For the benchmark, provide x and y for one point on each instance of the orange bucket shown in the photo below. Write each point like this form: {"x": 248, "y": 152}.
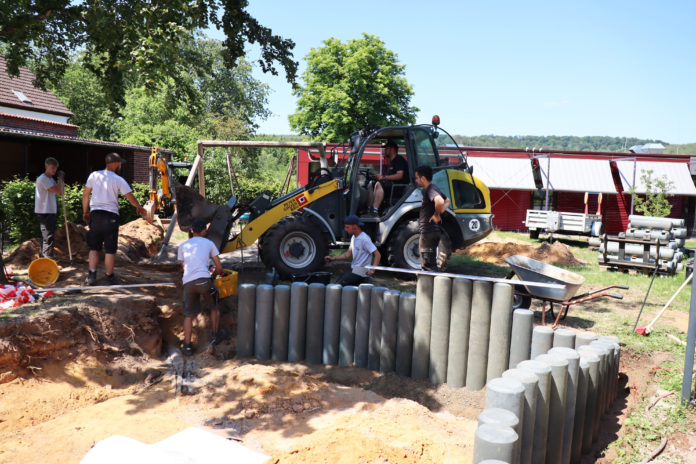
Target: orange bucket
{"x": 43, "y": 272}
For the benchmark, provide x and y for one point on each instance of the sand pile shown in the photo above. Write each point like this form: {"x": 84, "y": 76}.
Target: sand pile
{"x": 496, "y": 252}
{"x": 137, "y": 239}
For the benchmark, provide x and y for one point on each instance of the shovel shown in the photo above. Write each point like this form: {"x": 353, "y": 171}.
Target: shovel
{"x": 65, "y": 220}
{"x": 646, "y": 329}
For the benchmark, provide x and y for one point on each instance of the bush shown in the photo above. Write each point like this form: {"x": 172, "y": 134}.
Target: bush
{"x": 17, "y": 201}
{"x": 17, "y": 207}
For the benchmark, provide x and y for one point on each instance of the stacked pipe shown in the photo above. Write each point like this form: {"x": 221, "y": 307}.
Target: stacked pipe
{"x": 557, "y": 395}
{"x": 453, "y": 331}
{"x": 670, "y": 230}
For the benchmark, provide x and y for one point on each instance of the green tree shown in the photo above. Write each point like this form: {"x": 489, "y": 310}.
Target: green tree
{"x": 131, "y": 41}
{"x": 348, "y": 86}
{"x": 656, "y": 201}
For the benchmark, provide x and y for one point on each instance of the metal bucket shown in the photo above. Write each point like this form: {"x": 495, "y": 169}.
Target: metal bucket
{"x": 536, "y": 271}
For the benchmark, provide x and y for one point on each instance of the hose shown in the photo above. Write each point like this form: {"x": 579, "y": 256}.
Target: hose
{"x": 663, "y": 441}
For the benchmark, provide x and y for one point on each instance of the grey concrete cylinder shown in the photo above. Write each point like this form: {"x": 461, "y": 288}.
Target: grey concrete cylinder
{"x": 521, "y": 337}
{"x": 564, "y": 338}
{"x": 617, "y": 360}
{"x": 390, "y": 314}
{"x": 494, "y": 442}
{"x": 584, "y": 338}
{"x": 604, "y": 354}
{"x": 346, "y": 346}
{"x": 298, "y": 321}
{"x": 420, "y": 362}
{"x": 592, "y": 409}
{"x": 362, "y": 325}
{"x": 440, "y": 329}
{"x": 573, "y": 359}
{"x": 263, "y": 325}
{"x": 375, "y": 333}
{"x": 557, "y": 406}
{"x": 460, "y": 319}
{"x": 246, "y": 320}
{"x": 580, "y": 410}
{"x": 542, "y": 340}
{"x": 541, "y": 420}
{"x": 530, "y": 381}
{"x": 500, "y": 331}
{"x": 498, "y": 416}
{"x": 477, "y": 361}
{"x": 608, "y": 372}
{"x": 404, "y": 335}
{"x": 315, "y": 323}
{"x": 507, "y": 393}
{"x": 332, "y": 324}
{"x": 281, "y": 320}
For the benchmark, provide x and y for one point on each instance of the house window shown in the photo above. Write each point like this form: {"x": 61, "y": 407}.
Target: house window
{"x": 23, "y": 98}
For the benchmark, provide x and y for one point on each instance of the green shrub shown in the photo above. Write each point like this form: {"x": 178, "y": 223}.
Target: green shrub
{"x": 17, "y": 201}
{"x": 126, "y": 211}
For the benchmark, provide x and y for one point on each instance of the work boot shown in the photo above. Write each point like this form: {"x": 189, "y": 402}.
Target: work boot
{"x": 187, "y": 349}
{"x": 110, "y": 279}
{"x": 91, "y": 278}
{"x": 220, "y": 336}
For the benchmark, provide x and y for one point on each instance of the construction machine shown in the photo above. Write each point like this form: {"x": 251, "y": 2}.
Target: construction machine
{"x": 161, "y": 199}
{"x": 296, "y": 230}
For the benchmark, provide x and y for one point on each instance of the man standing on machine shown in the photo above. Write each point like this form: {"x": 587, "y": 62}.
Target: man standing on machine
{"x": 434, "y": 204}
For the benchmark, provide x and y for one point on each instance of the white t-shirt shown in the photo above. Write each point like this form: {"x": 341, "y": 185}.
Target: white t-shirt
{"x": 196, "y": 254}
{"x": 106, "y": 185}
{"x": 44, "y": 201}
{"x": 362, "y": 248}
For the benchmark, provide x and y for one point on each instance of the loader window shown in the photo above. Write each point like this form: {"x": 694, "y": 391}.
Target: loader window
{"x": 466, "y": 195}
{"x": 425, "y": 150}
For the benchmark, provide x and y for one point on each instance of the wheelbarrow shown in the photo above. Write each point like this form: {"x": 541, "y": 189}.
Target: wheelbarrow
{"x": 536, "y": 271}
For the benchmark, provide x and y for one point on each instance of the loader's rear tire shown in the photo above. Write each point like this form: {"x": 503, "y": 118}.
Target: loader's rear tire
{"x": 403, "y": 248}
{"x": 295, "y": 245}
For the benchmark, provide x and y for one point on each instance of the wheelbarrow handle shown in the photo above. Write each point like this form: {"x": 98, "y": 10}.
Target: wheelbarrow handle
{"x": 615, "y": 295}
{"x": 622, "y": 287}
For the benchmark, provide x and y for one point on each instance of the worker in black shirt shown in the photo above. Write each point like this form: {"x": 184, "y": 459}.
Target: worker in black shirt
{"x": 434, "y": 204}
{"x": 397, "y": 173}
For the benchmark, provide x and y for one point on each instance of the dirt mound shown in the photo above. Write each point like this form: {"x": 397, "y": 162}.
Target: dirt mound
{"x": 137, "y": 239}
{"x": 116, "y": 324}
{"x": 496, "y": 252}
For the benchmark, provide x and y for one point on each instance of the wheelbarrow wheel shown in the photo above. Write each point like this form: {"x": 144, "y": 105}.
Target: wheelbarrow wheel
{"x": 521, "y": 301}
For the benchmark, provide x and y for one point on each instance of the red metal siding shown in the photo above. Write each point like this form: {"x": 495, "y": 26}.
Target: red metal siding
{"x": 510, "y": 208}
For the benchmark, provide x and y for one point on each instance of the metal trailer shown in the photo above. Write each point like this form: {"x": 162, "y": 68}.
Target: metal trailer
{"x": 559, "y": 221}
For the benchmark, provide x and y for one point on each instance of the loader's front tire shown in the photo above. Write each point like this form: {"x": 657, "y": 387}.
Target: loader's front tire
{"x": 403, "y": 248}
{"x": 295, "y": 245}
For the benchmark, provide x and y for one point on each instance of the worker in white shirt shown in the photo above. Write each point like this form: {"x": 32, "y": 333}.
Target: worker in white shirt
{"x": 101, "y": 213}
{"x": 45, "y": 207}
{"x": 195, "y": 255}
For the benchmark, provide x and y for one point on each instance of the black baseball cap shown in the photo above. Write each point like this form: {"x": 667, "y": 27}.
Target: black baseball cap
{"x": 353, "y": 220}
{"x": 199, "y": 225}
{"x": 113, "y": 157}
{"x": 390, "y": 143}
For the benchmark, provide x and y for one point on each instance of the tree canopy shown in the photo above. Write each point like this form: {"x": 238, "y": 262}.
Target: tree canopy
{"x": 131, "y": 41}
{"x": 348, "y": 86}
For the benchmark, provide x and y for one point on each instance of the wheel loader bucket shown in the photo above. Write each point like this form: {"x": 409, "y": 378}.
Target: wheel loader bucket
{"x": 192, "y": 205}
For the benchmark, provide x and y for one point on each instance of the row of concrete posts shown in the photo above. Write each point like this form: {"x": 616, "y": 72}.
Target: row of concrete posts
{"x": 547, "y": 408}
{"x": 453, "y": 331}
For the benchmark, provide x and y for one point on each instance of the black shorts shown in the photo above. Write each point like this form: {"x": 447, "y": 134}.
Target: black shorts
{"x": 103, "y": 231}
{"x": 196, "y": 291}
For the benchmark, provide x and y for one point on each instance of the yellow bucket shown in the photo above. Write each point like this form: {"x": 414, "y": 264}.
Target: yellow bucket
{"x": 43, "y": 271}
{"x": 227, "y": 285}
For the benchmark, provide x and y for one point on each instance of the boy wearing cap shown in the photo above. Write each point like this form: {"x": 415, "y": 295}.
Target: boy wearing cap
{"x": 194, "y": 255}
{"x": 45, "y": 204}
{"x": 361, "y": 248}
{"x": 397, "y": 173}
{"x": 101, "y": 213}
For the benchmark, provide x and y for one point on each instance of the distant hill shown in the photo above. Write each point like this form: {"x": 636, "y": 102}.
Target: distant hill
{"x": 684, "y": 149}
{"x": 555, "y": 142}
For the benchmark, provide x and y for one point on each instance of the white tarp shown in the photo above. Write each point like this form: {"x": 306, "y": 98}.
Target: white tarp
{"x": 678, "y": 173}
{"x": 190, "y": 446}
{"x": 577, "y": 175}
{"x": 504, "y": 173}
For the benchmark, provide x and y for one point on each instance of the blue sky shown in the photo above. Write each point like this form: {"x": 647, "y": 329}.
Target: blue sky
{"x": 615, "y": 68}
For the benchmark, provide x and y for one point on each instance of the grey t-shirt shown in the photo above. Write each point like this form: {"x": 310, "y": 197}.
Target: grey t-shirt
{"x": 362, "y": 248}
{"x": 44, "y": 200}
